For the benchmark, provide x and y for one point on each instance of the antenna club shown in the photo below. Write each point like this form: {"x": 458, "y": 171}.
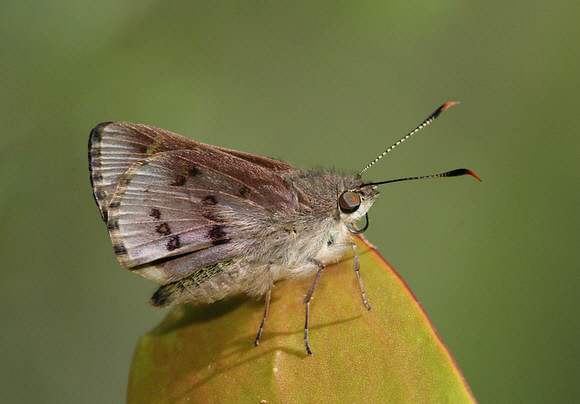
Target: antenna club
{"x": 474, "y": 175}
{"x": 448, "y": 105}
{"x": 460, "y": 171}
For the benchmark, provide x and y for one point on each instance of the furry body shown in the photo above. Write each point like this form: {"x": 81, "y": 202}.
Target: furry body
{"x": 283, "y": 244}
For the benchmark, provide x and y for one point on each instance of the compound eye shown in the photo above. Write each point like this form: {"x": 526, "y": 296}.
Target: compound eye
{"x": 349, "y": 202}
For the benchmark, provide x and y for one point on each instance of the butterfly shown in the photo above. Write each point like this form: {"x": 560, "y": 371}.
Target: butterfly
{"x": 207, "y": 222}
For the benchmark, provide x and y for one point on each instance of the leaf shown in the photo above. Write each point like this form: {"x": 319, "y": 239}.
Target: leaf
{"x": 389, "y": 354}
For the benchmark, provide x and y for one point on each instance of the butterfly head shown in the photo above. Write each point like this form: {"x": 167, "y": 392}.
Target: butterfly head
{"x": 354, "y": 203}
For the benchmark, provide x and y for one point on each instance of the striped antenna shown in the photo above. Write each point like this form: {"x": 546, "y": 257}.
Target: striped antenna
{"x": 453, "y": 173}
{"x": 426, "y": 122}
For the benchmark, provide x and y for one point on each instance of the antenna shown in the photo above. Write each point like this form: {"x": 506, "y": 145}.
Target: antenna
{"x": 453, "y": 173}
{"x": 426, "y": 122}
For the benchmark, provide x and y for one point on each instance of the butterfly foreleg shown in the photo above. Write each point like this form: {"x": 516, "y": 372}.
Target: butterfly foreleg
{"x": 358, "y": 276}
{"x": 307, "y": 300}
{"x": 342, "y": 248}
{"x": 266, "y": 306}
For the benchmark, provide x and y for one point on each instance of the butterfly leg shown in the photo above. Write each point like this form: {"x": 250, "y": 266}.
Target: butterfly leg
{"x": 266, "y": 306}
{"x": 307, "y": 300}
{"x": 359, "y": 277}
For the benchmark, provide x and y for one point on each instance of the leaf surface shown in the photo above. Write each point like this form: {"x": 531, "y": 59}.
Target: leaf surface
{"x": 389, "y": 354}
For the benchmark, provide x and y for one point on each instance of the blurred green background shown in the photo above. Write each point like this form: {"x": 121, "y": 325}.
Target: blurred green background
{"x": 495, "y": 264}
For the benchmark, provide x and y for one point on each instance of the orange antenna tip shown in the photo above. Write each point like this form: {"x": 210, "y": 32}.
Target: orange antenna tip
{"x": 474, "y": 175}
{"x": 448, "y": 105}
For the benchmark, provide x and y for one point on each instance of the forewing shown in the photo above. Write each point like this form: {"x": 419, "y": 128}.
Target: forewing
{"x": 178, "y": 210}
{"x": 115, "y": 146}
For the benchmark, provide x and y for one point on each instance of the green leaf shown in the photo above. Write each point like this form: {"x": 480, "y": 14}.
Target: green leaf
{"x": 206, "y": 353}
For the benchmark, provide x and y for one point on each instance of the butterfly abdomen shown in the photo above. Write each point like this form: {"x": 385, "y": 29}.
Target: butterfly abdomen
{"x": 205, "y": 285}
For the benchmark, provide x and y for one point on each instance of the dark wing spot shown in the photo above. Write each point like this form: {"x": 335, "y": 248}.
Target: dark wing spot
{"x": 163, "y": 229}
{"x": 222, "y": 241}
{"x": 97, "y": 177}
{"x": 179, "y": 181}
{"x": 113, "y": 225}
{"x": 114, "y": 205}
{"x": 210, "y": 200}
{"x": 193, "y": 172}
{"x": 244, "y": 191}
{"x": 173, "y": 243}
{"x": 155, "y": 213}
{"x": 100, "y": 195}
{"x": 119, "y": 249}
{"x": 216, "y": 233}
